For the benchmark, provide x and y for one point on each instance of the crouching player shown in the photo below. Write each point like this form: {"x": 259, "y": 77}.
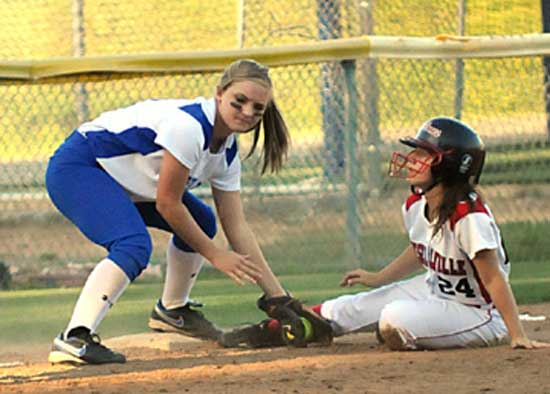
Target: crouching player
{"x": 463, "y": 299}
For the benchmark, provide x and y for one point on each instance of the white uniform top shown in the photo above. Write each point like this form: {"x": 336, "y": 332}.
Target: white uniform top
{"x": 448, "y": 256}
{"x": 128, "y": 143}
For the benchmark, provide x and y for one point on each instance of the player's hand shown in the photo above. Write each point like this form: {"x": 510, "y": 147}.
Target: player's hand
{"x": 526, "y": 343}
{"x": 237, "y": 266}
{"x": 359, "y": 276}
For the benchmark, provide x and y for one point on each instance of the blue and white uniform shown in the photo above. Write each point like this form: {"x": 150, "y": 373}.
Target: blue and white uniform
{"x": 104, "y": 176}
{"x": 128, "y": 143}
{"x": 446, "y": 307}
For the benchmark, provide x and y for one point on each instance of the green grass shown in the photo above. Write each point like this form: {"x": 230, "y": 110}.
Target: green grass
{"x": 517, "y": 164}
{"x": 527, "y": 241}
{"x": 35, "y": 316}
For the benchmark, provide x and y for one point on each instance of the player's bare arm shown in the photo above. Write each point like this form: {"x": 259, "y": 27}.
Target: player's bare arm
{"x": 171, "y": 186}
{"x": 503, "y": 298}
{"x": 242, "y": 239}
{"x": 405, "y": 264}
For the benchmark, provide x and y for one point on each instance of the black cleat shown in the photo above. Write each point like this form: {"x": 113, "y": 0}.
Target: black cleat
{"x": 238, "y": 337}
{"x": 267, "y": 333}
{"x": 82, "y": 347}
{"x": 183, "y": 320}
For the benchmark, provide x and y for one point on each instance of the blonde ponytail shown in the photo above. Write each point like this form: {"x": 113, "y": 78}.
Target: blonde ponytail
{"x": 276, "y": 136}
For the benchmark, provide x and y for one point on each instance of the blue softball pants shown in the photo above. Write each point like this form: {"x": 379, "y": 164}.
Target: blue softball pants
{"x": 104, "y": 212}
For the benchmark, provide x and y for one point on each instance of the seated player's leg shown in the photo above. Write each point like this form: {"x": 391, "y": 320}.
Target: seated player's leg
{"x": 353, "y": 312}
{"x": 439, "y": 324}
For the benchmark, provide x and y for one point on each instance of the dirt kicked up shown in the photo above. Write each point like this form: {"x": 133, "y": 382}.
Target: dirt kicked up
{"x": 353, "y": 364}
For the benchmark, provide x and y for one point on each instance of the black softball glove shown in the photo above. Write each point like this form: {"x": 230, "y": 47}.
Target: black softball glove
{"x": 300, "y": 326}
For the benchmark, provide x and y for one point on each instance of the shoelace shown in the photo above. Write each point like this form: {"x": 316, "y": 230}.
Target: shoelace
{"x": 94, "y": 338}
{"x": 199, "y": 313}
{"x": 195, "y": 303}
{"x": 190, "y": 307}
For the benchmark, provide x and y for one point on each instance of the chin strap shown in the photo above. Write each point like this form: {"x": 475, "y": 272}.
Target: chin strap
{"x": 420, "y": 192}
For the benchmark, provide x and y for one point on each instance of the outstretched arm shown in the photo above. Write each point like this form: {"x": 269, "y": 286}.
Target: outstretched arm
{"x": 171, "y": 186}
{"x": 242, "y": 239}
{"x": 406, "y": 263}
{"x": 486, "y": 263}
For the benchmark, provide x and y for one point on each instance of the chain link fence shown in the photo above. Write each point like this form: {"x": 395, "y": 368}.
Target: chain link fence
{"x": 332, "y": 207}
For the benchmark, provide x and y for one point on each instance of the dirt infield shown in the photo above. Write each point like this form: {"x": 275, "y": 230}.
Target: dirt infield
{"x": 353, "y": 364}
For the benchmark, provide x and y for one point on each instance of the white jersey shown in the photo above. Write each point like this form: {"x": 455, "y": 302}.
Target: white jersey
{"x": 447, "y": 307}
{"x": 129, "y": 142}
{"x": 448, "y": 255}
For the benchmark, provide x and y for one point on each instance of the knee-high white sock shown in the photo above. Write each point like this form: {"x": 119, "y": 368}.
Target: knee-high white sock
{"x": 102, "y": 289}
{"x": 182, "y": 269}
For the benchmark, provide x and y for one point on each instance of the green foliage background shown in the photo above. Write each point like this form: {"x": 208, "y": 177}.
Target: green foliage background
{"x": 39, "y": 115}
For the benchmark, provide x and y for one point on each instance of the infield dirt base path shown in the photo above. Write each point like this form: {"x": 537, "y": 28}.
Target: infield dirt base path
{"x": 353, "y": 364}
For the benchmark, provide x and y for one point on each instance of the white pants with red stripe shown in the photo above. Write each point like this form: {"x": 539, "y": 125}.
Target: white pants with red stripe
{"x": 423, "y": 320}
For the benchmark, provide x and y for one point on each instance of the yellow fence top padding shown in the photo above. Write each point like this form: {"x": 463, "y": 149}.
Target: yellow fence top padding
{"x": 439, "y": 47}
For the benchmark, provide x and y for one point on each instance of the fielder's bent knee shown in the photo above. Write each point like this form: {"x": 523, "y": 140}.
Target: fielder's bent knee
{"x": 132, "y": 253}
{"x": 202, "y": 213}
{"x": 206, "y": 221}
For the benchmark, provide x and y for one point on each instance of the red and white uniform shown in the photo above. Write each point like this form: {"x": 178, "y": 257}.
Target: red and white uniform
{"x": 447, "y": 306}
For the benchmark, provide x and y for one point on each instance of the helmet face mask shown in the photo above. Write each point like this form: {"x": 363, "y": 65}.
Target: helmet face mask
{"x": 408, "y": 165}
{"x": 459, "y": 148}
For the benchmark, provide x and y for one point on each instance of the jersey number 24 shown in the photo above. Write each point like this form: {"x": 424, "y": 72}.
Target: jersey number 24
{"x": 462, "y": 287}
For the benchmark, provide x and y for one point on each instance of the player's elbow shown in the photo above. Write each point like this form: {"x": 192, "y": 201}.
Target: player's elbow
{"x": 165, "y": 206}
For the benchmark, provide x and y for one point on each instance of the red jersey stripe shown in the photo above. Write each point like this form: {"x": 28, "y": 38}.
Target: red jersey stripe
{"x": 463, "y": 208}
{"x": 411, "y": 200}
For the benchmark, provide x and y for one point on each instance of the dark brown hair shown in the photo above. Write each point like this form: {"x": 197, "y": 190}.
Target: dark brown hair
{"x": 452, "y": 195}
{"x": 276, "y": 137}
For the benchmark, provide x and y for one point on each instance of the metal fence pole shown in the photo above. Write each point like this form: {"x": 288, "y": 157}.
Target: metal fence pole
{"x": 241, "y": 29}
{"x": 332, "y": 106}
{"x": 353, "y": 221}
{"x": 372, "y": 97}
{"x": 459, "y": 67}
{"x": 545, "y": 7}
{"x": 79, "y": 50}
